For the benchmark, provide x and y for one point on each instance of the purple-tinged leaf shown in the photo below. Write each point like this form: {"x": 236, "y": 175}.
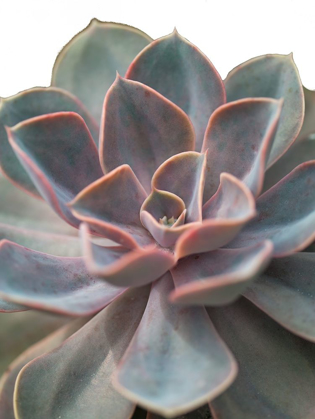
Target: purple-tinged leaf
{"x": 47, "y": 344}
{"x": 87, "y": 65}
{"x": 224, "y": 215}
{"x": 163, "y": 214}
{"x": 29, "y": 104}
{"x": 184, "y": 176}
{"x": 286, "y": 292}
{"x": 238, "y": 138}
{"x": 125, "y": 268}
{"x": 276, "y": 369}
{"x": 60, "y": 156}
{"x": 285, "y": 214}
{"x": 141, "y": 128}
{"x": 9, "y": 307}
{"x": 111, "y": 206}
{"x": 82, "y": 366}
{"x": 308, "y": 127}
{"x": 18, "y": 331}
{"x": 51, "y": 283}
{"x": 274, "y": 76}
{"x": 299, "y": 153}
{"x": 179, "y": 71}
{"x": 218, "y": 277}
{"x": 176, "y": 361}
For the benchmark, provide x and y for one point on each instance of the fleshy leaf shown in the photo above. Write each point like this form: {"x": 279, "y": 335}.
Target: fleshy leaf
{"x": 184, "y": 176}
{"x": 274, "y": 76}
{"x": 123, "y": 267}
{"x": 286, "y": 292}
{"x": 7, "y": 381}
{"x": 29, "y": 104}
{"x": 87, "y": 65}
{"x": 60, "y": 156}
{"x": 238, "y": 138}
{"x": 51, "y": 283}
{"x": 18, "y": 331}
{"x": 299, "y": 153}
{"x": 285, "y": 214}
{"x": 224, "y": 215}
{"x": 179, "y": 71}
{"x": 308, "y": 127}
{"x": 141, "y": 128}
{"x": 176, "y": 361}
{"x": 218, "y": 277}
{"x": 83, "y": 365}
{"x": 276, "y": 369}
{"x": 163, "y": 214}
{"x": 9, "y": 307}
{"x": 111, "y": 206}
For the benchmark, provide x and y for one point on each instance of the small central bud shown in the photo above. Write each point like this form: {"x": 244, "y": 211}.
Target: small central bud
{"x": 167, "y": 221}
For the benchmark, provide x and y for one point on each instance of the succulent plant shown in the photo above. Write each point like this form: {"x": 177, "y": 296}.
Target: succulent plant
{"x": 204, "y": 293}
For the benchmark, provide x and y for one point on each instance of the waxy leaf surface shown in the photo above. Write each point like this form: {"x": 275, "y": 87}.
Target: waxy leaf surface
{"x": 286, "y": 292}
{"x": 141, "y": 128}
{"x": 111, "y": 206}
{"x": 29, "y": 104}
{"x": 238, "y": 138}
{"x": 179, "y": 71}
{"x": 223, "y": 217}
{"x": 47, "y": 344}
{"x": 276, "y": 369}
{"x": 308, "y": 127}
{"x": 60, "y": 156}
{"x": 19, "y": 331}
{"x": 49, "y": 386}
{"x": 123, "y": 267}
{"x": 218, "y": 277}
{"x": 285, "y": 214}
{"x": 184, "y": 175}
{"x": 87, "y": 65}
{"x": 274, "y": 76}
{"x": 51, "y": 283}
{"x": 299, "y": 153}
{"x": 176, "y": 361}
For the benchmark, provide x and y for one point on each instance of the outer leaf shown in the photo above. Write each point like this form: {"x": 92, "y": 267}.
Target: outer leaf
{"x": 176, "y": 361}
{"x": 60, "y": 156}
{"x": 18, "y": 331}
{"x": 300, "y": 152}
{"x": 7, "y": 382}
{"x": 308, "y": 127}
{"x": 184, "y": 176}
{"x": 51, "y": 283}
{"x": 285, "y": 214}
{"x": 28, "y": 104}
{"x": 286, "y": 292}
{"x": 276, "y": 369}
{"x": 136, "y": 129}
{"x": 124, "y": 268}
{"x": 274, "y": 76}
{"x": 218, "y": 277}
{"x": 179, "y": 71}
{"x": 239, "y": 137}
{"x": 49, "y": 386}
{"x": 9, "y": 307}
{"x": 88, "y": 63}
{"x": 111, "y": 206}
{"x": 158, "y": 205}
{"x": 224, "y": 215}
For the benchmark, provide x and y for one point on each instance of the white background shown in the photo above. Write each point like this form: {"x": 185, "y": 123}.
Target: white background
{"x": 229, "y": 32}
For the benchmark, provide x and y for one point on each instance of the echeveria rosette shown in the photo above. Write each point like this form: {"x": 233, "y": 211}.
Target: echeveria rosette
{"x": 172, "y": 179}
